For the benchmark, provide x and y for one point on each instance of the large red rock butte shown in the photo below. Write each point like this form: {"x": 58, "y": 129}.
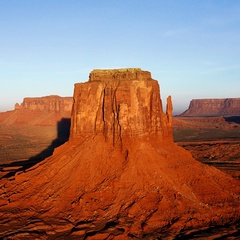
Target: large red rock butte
{"x": 120, "y": 175}
{"x": 120, "y": 104}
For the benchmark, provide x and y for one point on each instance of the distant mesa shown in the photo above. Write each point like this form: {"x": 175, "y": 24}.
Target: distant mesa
{"x": 38, "y": 122}
{"x": 120, "y": 175}
{"x": 213, "y": 107}
{"x": 48, "y": 103}
{"x": 46, "y": 110}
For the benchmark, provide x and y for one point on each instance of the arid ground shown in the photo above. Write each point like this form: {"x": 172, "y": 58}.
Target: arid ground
{"x": 23, "y": 145}
{"x": 211, "y": 140}
{"x": 214, "y": 141}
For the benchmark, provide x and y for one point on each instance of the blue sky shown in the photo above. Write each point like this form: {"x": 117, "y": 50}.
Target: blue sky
{"x": 191, "y": 47}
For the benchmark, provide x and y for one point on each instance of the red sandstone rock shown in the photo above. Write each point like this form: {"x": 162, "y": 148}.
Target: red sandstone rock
{"x": 39, "y": 111}
{"x": 48, "y": 103}
{"x": 119, "y": 107}
{"x": 213, "y": 107}
{"x": 120, "y": 175}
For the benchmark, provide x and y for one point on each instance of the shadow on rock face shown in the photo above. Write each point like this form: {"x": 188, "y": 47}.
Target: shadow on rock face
{"x": 63, "y": 131}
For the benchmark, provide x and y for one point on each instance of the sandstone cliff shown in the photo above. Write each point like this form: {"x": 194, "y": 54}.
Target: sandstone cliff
{"x": 213, "y": 107}
{"x": 120, "y": 175}
{"x": 120, "y": 104}
{"x": 39, "y": 111}
{"x": 49, "y": 103}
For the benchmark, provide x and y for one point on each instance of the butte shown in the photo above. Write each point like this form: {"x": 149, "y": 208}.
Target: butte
{"x": 120, "y": 175}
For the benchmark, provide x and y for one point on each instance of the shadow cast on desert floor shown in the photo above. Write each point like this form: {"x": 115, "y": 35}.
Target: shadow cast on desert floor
{"x": 63, "y": 131}
{"x": 235, "y": 119}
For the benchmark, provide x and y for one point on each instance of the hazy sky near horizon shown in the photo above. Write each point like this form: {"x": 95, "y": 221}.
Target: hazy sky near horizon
{"x": 191, "y": 47}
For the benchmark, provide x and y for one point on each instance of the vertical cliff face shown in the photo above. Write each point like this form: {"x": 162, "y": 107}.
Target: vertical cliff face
{"x": 213, "y": 107}
{"x": 120, "y": 104}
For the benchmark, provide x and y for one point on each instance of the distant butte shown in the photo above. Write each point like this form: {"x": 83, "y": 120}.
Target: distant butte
{"x": 120, "y": 175}
{"x": 214, "y": 107}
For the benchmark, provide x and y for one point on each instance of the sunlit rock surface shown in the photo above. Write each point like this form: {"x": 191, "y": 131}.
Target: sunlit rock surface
{"x": 213, "y": 107}
{"x": 48, "y": 103}
{"x": 120, "y": 175}
{"x": 39, "y": 111}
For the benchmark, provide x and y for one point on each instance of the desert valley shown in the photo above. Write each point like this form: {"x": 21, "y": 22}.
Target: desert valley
{"x": 31, "y": 131}
{"x": 108, "y": 163}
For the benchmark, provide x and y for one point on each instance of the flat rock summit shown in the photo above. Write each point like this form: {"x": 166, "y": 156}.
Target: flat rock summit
{"x": 42, "y": 111}
{"x": 120, "y": 175}
{"x": 213, "y": 107}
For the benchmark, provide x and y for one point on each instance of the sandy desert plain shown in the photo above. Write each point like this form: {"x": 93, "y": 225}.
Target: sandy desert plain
{"x": 211, "y": 140}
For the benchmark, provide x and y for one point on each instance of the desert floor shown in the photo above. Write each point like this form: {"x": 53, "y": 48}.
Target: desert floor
{"x": 212, "y": 140}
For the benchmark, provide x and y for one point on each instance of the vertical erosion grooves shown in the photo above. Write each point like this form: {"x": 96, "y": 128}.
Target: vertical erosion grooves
{"x": 107, "y": 119}
{"x": 120, "y": 109}
{"x": 103, "y": 113}
{"x": 116, "y": 126}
